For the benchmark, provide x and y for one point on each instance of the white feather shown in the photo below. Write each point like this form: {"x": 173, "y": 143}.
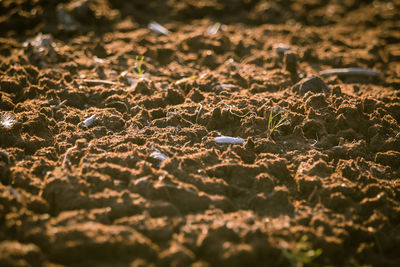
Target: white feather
{"x": 154, "y": 26}
{"x": 229, "y": 140}
{"x": 89, "y": 121}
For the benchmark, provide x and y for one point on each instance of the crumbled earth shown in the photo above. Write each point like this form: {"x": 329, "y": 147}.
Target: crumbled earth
{"x": 110, "y": 159}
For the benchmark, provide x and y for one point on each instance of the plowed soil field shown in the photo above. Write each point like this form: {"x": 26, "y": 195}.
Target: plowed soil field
{"x": 199, "y": 133}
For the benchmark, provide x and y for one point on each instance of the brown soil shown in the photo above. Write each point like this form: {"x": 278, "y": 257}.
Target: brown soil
{"x": 144, "y": 182}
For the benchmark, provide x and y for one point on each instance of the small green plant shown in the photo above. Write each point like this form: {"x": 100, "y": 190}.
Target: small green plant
{"x": 273, "y": 123}
{"x": 186, "y": 79}
{"x": 302, "y": 253}
{"x": 138, "y": 65}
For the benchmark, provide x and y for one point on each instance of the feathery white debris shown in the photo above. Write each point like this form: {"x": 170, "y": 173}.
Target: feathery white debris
{"x": 89, "y": 121}
{"x": 143, "y": 180}
{"x": 41, "y": 41}
{"x": 349, "y": 72}
{"x": 14, "y": 192}
{"x": 89, "y": 81}
{"x": 66, "y": 163}
{"x": 56, "y": 107}
{"x": 7, "y": 120}
{"x": 213, "y": 29}
{"x": 156, "y": 154}
{"x": 156, "y": 27}
{"x": 228, "y": 140}
{"x": 223, "y": 86}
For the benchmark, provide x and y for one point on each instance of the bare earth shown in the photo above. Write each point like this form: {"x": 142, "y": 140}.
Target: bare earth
{"x": 108, "y": 160}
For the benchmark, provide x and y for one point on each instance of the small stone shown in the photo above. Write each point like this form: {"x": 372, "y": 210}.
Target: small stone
{"x": 290, "y": 62}
{"x": 312, "y": 84}
{"x": 336, "y": 91}
{"x": 209, "y": 59}
{"x": 99, "y": 51}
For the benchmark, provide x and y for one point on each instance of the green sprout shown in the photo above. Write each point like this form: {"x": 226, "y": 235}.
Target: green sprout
{"x": 138, "y": 65}
{"x": 302, "y": 253}
{"x": 273, "y": 124}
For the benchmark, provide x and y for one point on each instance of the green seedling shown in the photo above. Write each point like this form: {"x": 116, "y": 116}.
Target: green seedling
{"x": 186, "y": 79}
{"x": 302, "y": 253}
{"x": 138, "y": 65}
{"x": 273, "y": 123}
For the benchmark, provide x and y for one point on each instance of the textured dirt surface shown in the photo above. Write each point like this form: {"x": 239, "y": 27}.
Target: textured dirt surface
{"x": 104, "y": 163}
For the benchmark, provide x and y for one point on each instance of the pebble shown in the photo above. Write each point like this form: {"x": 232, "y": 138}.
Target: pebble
{"x": 290, "y": 61}
{"x": 312, "y": 84}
